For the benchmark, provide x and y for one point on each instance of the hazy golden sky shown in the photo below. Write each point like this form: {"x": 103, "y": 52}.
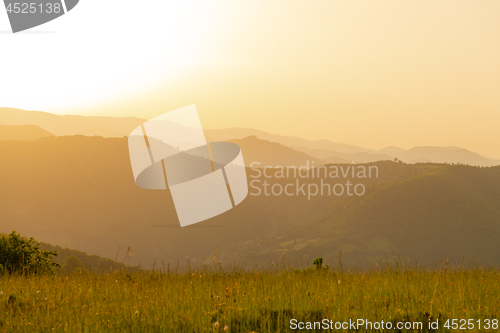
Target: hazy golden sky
{"x": 371, "y": 73}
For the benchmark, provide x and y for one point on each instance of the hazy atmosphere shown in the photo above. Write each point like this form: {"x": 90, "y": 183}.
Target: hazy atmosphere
{"x": 249, "y": 166}
{"x": 373, "y": 74}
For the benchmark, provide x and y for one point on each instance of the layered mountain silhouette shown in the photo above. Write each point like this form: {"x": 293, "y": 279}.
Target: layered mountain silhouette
{"x": 22, "y": 132}
{"x": 330, "y": 156}
{"x": 439, "y": 155}
{"x": 71, "y": 124}
{"x": 274, "y": 152}
{"x": 265, "y": 153}
{"x": 79, "y": 192}
{"x": 290, "y": 141}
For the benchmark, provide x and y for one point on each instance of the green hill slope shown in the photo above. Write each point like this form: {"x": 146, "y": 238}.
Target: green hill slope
{"x": 73, "y": 259}
{"x": 448, "y": 212}
{"x": 79, "y": 192}
{"x": 89, "y": 262}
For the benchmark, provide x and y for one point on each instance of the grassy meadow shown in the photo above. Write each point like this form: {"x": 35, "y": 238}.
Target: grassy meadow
{"x": 242, "y": 300}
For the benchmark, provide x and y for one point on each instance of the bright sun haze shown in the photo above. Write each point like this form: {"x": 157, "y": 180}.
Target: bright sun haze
{"x": 370, "y": 73}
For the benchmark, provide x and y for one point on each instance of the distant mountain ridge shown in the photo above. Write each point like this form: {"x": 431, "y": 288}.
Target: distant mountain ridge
{"x": 265, "y": 153}
{"x": 290, "y": 141}
{"x": 22, "y": 132}
{"x": 71, "y": 124}
{"x": 268, "y": 153}
{"x": 330, "y": 156}
{"x": 440, "y": 155}
{"x": 320, "y": 151}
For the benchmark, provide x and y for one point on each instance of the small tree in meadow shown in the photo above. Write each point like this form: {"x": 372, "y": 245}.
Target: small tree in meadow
{"x": 318, "y": 264}
{"x": 21, "y": 255}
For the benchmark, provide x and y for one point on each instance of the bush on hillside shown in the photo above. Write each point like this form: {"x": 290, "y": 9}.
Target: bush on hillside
{"x": 23, "y": 256}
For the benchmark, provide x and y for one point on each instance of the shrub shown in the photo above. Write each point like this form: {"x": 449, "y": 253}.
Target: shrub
{"x": 318, "y": 265}
{"x": 24, "y": 256}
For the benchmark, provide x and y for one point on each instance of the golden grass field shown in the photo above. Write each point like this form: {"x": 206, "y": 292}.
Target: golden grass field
{"x": 237, "y": 300}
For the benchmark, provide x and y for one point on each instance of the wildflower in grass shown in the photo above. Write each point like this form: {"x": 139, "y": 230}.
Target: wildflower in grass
{"x": 226, "y": 328}
{"x": 216, "y": 324}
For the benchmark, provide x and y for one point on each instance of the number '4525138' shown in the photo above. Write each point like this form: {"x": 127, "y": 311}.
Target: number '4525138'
{"x": 32, "y": 13}
{"x": 470, "y": 324}
{"x": 33, "y": 8}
